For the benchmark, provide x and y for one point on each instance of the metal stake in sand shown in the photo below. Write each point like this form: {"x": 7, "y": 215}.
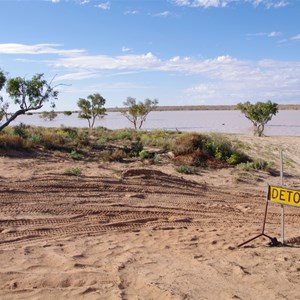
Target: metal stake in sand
{"x": 263, "y": 228}
{"x": 266, "y": 209}
{"x": 282, "y": 206}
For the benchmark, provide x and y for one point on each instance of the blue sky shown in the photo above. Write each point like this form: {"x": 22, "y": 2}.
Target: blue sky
{"x": 182, "y": 52}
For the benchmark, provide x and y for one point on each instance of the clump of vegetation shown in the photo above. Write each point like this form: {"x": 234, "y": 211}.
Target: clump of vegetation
{"x": 255, "y": 165}
{"x": 203, "y": 150}
{"x": 75, "y": 155}
{"x": 185, "y": 170}
{"x": 15, "y": 142}
{"x": 187, "y": 150}
{"x": 144, "y": 154}
{"x": 73, "y": 172}
{"x": 67, "y": 113}
{"x": 134, "y": 149}
{"x": 21, "y": 130}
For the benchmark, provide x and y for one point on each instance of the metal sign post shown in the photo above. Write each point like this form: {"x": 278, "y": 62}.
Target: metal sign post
{"x": 280, "y": 195}
{"x": 282, "y": 206}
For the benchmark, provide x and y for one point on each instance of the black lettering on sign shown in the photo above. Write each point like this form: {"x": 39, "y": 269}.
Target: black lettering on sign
{"x": 282, "y": 195}
{"x": 274, "y": 193}
{"x": 296, "y": 197}
{"x": 289, "y": 195}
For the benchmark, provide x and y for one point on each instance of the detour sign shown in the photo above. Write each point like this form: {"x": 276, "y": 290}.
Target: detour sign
{"x": 284, "y": 195}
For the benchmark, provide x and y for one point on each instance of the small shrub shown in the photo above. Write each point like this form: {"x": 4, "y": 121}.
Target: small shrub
{"x": 260, "y": 164}
{"x": 20, "y": 130}
{"x": 75, "y": 155}
{"x": 127, "y": 134}
{"x": 102, "y": 140}
{"x": 233, "y": 159}
{"x": 71, "y": 132}
{"x": 35, "y": 139}
{"x": 254, "y": 165}
{"x": 118, "y": 155}
{"x": 144, "y": 154}
{"x": 188, "y": 143}
{"x": 105, "y": 156}
{"x": 185, "y": 170}
{"x": 51, "y": 140}
{"x": 83, "y": 139}
{"x": 156, "y": 159}
{"x": 134, "y": 149}
{"x": 73, "y": 171}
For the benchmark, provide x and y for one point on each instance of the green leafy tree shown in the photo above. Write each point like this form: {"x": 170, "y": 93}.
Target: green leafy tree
{"x": 27, "y": 94}
{"x": 137, "y": 112}
{"x": 91, "y": 108}
{"x": 259, "y": 114}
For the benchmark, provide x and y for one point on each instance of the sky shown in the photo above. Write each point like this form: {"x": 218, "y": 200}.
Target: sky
{"x": 181, "y": 52}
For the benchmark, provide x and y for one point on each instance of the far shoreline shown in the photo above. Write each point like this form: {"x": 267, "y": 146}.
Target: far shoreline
{"x": 204, "y": 107}
{"x": 184, "y": 108}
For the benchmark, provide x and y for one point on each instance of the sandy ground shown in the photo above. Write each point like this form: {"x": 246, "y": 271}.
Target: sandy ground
{"x": 139, "y": 231}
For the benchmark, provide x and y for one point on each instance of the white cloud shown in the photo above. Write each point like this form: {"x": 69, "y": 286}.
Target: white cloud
{"x": 76, "y": 76}
{"x": 131, "y": 12}
{"x": 104, "y": 5}
{"x": 126, "y": 49}
{"x": 296, "y": 37}
{"x": 268, "y": 34}
{"x": 277, "y": 4}
{"x": 104, "y": 62}
{"x": 163, "y": 14}
{"x": 224, "y": 3}
{"x": 274, "y": 34}
{"x": 202, "y": 3}
{"x": 55, "y": 1}
{"x": 83, "y": 2}
{"x": 37, "y": 49}
{"x": 223, "y": 76}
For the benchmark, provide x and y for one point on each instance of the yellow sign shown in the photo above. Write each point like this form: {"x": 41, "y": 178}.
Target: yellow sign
{"x": 284, "y": 195}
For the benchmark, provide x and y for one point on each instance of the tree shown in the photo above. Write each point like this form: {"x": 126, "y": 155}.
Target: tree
{"x": 259, "y": 114}
{"x": 27, "y": 94}
{"x": 137, "y": 113}
{"x": 91, "y": 108}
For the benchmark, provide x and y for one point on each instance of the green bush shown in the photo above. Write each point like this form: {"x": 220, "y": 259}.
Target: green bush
{"x": 185, "y": 170}
{"x": 35, "y": 139}
{"x": 134, "y": 149}
{"x": 124, "y": 134}
{"x": 73, "y": 171}
{"x": 156, "y": 159}
{"x": 254, "y": 165}
{"x": 75, "y": 155}
{"x": 199, "y": 148}
{"x": 234, "y": 159}
{"x": 144, "y": 154}
{"x": 20, "y": 130}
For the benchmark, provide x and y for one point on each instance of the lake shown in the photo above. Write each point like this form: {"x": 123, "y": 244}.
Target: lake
{"x": 286, "y": 122}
